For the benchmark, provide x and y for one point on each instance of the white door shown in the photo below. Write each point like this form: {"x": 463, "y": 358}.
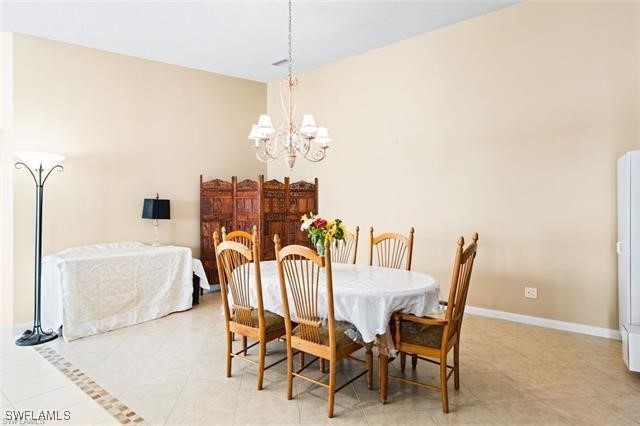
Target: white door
{"x": 624, "y": 231}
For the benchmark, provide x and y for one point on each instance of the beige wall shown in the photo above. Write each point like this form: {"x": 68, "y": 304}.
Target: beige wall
{"x": 129, "y": 128}
{"x": 508, "y": 124}
{"x": 6, "y": 243}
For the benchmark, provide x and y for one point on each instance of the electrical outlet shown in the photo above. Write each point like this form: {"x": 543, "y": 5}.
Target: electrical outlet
{"x": 531, "y": 292}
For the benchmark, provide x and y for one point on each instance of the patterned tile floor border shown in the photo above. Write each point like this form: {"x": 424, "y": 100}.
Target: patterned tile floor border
{"x": 117, "y": 409}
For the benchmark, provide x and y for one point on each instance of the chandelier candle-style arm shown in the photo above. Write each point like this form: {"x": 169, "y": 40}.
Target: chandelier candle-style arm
{"x": 307, "y": 140}
{"x": 311, "y": 153}
{"x": 268, "y": 149}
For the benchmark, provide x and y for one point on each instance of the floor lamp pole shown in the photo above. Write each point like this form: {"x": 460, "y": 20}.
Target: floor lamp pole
{"x": 36, "y": 335}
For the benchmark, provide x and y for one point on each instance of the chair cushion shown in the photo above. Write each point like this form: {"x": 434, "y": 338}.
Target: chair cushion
{"x": 421, "y": 334}
{"x": 272, "y": 321}
{"x": 342, "y": 329}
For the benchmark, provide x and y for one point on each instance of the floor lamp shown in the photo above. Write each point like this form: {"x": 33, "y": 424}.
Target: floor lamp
{"x": 39, "y": 165}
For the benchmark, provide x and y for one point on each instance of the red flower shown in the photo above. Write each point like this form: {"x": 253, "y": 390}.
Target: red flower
{"x": 319, "y": 223}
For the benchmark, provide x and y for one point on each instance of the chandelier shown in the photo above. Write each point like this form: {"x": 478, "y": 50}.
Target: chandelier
{"x": 307, "y": 140}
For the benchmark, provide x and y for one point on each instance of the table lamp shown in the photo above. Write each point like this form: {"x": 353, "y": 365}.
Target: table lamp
{"x": 155, "y": 208}
{"x": 39, "y": 165}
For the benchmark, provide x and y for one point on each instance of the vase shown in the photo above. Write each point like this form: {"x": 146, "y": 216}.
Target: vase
{"x": 320, "y": 248}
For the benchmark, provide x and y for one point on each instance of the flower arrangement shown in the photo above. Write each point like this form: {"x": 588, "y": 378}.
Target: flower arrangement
{"x": 319, "y": 229}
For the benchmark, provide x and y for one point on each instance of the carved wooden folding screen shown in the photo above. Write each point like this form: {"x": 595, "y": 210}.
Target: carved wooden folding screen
{"x": 216, "y": 211}
{"x": 301, "y": 198}
{"x": 246, "y": 203}
{"x": 274, "y": 207}
{"x": 274, "y": 215}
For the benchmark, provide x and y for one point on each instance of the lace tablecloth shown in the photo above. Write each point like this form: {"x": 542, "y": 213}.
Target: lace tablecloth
{"x": 365, "y": 296}
{"x": 198, "y": 270}
{"x": 97, "y": 288}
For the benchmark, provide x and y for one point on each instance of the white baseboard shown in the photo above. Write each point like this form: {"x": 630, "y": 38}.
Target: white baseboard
{"x": 15, "y": 329}
{"x": 20, "y": 327}
{"x": 545, "y": 322}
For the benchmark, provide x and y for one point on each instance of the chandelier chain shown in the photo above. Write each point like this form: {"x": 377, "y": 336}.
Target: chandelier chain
{"x": 290, "y": 50}
{"x": 308, "y": 140}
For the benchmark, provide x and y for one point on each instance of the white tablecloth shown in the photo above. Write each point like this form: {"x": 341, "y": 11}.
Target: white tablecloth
{"x": 365, "y": 296}
{"x": 198, "y": 270}
{"x": 97, "y": 288}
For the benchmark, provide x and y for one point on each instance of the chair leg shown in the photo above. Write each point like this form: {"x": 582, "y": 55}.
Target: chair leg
{"x": 380, "y": 378}
{"x": 261, "y": 356}
{"x": 443, "y": 383}
{"x": 403, "y": 360}
{"x": 456, "y": 366}
{"x": 332, "y": 387}
{"x": 229, "y": 350}
{"x": 323, "y": 365}
{"x": 244, "y": 345}
{"x": 289, "y": 371}
{"x": 414, "y": 361}
{"x": 369, "y": 360}
{"x": 301, "y": 359}
{"x": 383, "y": 376}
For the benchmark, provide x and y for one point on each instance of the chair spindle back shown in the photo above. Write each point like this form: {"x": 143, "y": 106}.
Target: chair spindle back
{"x": 235, "y": 261}
{"x": 345, "y": 251}
{"x": 242, "y": 237}
{"x": 460, "y": 278}
{"x": 299, "y": 270}
{"x": 391, "y": 250}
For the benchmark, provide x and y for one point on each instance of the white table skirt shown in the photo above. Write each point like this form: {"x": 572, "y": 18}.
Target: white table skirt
{"x": 366, "y": 296}
{"x": 97, "y": 288}
{"x": 198, "y": 270}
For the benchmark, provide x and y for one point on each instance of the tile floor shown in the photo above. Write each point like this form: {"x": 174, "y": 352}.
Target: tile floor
{"x": 172, "y": 371}
{"x": 29, "y": 382}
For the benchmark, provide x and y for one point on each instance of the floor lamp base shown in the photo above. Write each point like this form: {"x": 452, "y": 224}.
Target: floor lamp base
{"x": 36, "y": 337}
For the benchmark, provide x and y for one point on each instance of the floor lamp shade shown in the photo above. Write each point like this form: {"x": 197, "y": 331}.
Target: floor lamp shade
{"x": 40, "y": 165}
{"x": 34, "y": 159}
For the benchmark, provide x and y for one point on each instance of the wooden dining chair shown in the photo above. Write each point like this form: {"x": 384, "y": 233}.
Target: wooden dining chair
{"x": 432, "y": 338}
{"x": 242, "y": 237}
{"x": 391, "y": 250}
{"x": 314, "y": 332}
{"x": 345, "y": 251}
{"x": 242, "y": 316}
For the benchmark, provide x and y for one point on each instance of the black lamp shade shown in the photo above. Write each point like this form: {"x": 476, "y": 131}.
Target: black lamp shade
{"x": 154, "y": 208}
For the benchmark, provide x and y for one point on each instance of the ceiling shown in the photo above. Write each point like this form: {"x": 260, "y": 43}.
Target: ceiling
{"x": 238, "y": 38}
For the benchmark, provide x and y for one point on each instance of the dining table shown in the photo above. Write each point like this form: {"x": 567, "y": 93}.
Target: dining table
{"x": 365, "y": 296}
